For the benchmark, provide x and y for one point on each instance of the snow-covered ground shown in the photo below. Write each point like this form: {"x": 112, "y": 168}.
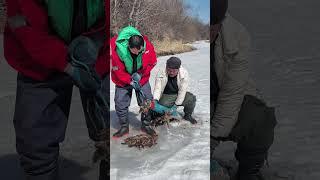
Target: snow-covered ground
{"x": 183, "y": 150}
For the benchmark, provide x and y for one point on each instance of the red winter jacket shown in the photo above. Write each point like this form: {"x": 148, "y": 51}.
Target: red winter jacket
{"x": 33, "y": 51}
{"x": 119, "y": 74}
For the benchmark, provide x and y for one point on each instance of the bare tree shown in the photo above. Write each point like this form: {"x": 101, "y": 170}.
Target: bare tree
{"x": 156, "y": 18}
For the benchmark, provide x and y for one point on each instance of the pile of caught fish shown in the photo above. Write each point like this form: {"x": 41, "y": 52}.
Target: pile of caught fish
{"x": 145, "y": 140}
{"x": 141, "y": 141}
{"x": 102, "y": 146}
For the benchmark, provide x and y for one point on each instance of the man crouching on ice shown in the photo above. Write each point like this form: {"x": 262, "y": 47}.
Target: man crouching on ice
{"x": 171, "y": 86}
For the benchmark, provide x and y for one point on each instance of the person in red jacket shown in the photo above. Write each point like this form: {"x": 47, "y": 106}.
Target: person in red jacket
{"x": 132, "y": 58}
{"x": 53, "y": 45}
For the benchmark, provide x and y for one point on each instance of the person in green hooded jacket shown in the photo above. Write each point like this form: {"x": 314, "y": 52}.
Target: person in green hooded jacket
{"x": 53, "y": 45}
{"x": 132, "y": 58}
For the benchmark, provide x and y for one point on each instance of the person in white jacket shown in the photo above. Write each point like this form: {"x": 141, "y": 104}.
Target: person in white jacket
{"x": 171, "y": 85}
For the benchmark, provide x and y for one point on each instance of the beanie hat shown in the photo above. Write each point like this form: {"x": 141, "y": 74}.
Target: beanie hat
{"x": 173, "y": 63}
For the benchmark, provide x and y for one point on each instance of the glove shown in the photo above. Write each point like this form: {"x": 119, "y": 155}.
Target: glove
{"x": 135, "y": 85}
{"x": 158, "y": 108}
{"x": 84, "y": 50}
{"x": 136, "y": 77}
{"x": 173, "y": 110}
{"x": 83, "y": 77}
{"x": 83, "y": 54}
{"x": 16, "y": 21}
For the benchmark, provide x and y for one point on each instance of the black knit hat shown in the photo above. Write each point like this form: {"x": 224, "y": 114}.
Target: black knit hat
{"x": 218, "y": 10}
{"x": 173, "y": 63}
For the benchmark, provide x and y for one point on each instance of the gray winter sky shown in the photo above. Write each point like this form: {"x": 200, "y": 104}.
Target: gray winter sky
{"x": 200, "y": 8}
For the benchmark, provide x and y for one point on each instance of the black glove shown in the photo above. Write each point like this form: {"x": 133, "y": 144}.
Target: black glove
{"x": 83, "y": 77}
{"x": 83, "y": 54}
{"x": 84, "y": 50}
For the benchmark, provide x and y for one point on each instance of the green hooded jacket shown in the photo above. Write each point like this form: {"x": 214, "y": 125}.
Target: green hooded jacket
{"x": 60, "y": 13}
{"x": 123, "y": 50}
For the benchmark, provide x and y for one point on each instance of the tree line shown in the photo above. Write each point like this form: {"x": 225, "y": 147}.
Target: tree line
{"x": 158, "y": 19}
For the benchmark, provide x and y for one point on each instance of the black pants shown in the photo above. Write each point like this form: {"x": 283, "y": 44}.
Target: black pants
{"x": 254, "y": 134}
{"x": 40, "y": 121}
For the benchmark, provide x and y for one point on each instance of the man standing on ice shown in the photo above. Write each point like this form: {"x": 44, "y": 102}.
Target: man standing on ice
{"x": 133, "y": 57}
{"x": 171, "y": 86}
{"x": 54, "y": 45}
{"x": 239, "y": 114}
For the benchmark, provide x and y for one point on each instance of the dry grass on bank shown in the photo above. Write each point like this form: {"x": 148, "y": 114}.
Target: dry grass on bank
{"x": 171, "y": 47}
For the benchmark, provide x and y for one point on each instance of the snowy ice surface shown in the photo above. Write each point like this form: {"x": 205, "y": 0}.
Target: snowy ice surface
{"x": 183, "y": 150}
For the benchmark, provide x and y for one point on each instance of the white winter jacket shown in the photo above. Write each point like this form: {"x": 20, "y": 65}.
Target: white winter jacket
{"x": 161, "y": 82}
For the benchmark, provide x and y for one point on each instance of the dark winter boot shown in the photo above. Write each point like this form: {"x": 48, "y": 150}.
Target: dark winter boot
{"x": 122, "y": 131}
{"x": 189, "y": 104}
{"x": 145, "y": 123}
{"x": 190, "y": 118}
{"x": 148, "y": 130}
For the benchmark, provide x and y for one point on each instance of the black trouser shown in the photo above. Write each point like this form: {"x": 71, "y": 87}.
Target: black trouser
{"x": 254, "y": 134}
{"x": 40, "y": 121}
